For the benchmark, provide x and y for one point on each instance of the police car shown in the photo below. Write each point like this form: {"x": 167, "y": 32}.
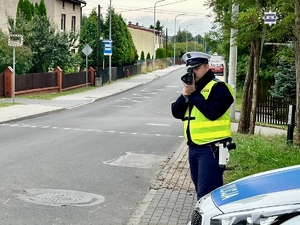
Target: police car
{"x": 268, "y": 198}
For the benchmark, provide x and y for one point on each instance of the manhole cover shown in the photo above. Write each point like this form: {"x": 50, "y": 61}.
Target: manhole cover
{"x": 58, "y": 197}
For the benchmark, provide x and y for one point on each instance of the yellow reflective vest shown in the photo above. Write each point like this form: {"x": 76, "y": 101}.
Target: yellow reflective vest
{"x": 203, "y": 130}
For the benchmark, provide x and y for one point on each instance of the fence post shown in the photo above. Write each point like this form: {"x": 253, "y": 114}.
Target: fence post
{"x": 92, "y": 72}
{"x": 59, "y": 78}
{"x": 8, "y": 82}
{"x": 291, "y": 124}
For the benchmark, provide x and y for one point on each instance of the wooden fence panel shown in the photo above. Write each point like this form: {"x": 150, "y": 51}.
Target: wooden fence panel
{"x": 35, "y": 81}
{"x": 1, "y": 84}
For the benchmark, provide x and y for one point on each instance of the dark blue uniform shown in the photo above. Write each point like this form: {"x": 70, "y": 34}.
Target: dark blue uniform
{"x": 206, "y": 173}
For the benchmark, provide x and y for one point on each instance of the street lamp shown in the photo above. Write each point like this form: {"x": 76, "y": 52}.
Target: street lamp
{"x": 175, "y": 34}
{"x": 186, "y": 40}
{"x": 154, "y": 36}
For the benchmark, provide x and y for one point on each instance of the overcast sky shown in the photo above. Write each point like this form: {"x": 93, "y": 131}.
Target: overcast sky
{"x": 195, "y": 19}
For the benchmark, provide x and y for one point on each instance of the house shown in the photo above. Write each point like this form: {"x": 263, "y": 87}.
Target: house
{"x": 66, "y": 14}
{"x": 143, "y": 39}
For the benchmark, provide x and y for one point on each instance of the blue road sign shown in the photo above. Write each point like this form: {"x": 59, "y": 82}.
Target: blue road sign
{"x": 107, "y": 47}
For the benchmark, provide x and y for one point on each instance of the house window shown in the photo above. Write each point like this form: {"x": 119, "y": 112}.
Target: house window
{"x": 63, "y": 22}
{"x": 74, "y": 6}
{"x": 73, "y": 23}
{"x": 63, "y": 4}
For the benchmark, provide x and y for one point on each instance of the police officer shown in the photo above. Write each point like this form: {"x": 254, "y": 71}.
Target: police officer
{"x": 204, "y": 108}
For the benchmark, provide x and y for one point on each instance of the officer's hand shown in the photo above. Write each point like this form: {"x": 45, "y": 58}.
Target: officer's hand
{"x": 188, "y": 89}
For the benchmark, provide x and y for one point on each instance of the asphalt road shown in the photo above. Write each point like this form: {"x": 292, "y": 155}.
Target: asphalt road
{"x": 92, "y": 164}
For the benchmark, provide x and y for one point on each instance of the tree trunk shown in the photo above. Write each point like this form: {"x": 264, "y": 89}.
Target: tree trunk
{"x": 257, "y": 53}
{"x": 297, "y": 62}
{"x": 244, "y": 120}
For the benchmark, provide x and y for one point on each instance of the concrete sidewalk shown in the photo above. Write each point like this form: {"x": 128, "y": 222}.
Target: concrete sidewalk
{"x": 171, "y": 197}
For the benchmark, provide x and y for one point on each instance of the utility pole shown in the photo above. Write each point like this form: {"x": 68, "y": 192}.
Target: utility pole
{"x": 98, "y": 42}
{"x": 109, "y": 70}
{"x": 167, "y": 43}
{"x": 233, "y": 59}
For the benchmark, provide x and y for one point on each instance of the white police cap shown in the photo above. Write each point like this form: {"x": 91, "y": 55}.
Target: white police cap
{"x": 195, "y": 59}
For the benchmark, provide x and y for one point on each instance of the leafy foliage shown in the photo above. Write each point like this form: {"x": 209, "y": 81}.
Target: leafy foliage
{"x": 23, "y": 56}
{"x": 285, "y": 79}
{"x": 142, "y": 55}
{"x": 49, "y": 48}
{"x": 148, "y": 56}
{"x": 160, "y": 53}
{"x": 88, "y": 35}
{"x": 124, "y": 51}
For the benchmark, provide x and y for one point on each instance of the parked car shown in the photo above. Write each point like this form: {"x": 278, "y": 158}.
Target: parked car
{"x": 268, "y": 198}
{"x": 217, "y": 68}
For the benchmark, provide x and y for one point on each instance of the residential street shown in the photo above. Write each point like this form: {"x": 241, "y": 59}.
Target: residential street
{"x": 53, "y": 165}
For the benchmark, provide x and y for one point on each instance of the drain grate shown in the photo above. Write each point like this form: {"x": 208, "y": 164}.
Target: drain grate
{"x": 59, "y": 197}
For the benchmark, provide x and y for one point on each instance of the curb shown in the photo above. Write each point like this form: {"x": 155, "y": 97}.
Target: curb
{"x": 171, "y": 197}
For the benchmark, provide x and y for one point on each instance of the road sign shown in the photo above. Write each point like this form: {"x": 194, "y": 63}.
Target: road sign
{"x": 107, "y": 47}
{"x": 87, "y": 50}
{"x": 270, "y": 18}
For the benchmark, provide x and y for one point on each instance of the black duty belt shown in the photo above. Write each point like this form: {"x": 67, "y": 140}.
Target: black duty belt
{"x": 189, "y": 118}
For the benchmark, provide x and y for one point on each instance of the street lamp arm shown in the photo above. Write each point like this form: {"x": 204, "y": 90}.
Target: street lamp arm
{"x": 174, "y": 2}
{"x": 175, "y": 34}
{"x": 154, "y": 36}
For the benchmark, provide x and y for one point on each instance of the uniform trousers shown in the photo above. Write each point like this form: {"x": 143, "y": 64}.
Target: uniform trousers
{"x": 206, "y": 173}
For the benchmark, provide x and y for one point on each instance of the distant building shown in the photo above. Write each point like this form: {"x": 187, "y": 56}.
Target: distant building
{"x": 143, "y": 39}
{"x": 66, "y": 14}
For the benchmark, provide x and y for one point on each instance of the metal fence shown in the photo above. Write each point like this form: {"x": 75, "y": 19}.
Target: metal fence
{"x": 273, "y": 110}
{"x": 270, "y": 109}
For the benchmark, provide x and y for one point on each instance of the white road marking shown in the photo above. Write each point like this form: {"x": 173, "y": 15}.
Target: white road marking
{"x": 158, "y": 124}
{"x": 88, "y": 130}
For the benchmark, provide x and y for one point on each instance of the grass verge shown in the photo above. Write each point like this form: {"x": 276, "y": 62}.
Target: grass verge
{"x": 258, "y": 153}
{"x": 55, "y": 95}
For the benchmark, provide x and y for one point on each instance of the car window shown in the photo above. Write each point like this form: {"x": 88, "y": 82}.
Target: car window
{"x": 293, "y": 221}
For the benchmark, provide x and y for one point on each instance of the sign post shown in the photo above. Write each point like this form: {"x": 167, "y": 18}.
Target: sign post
{"x": 15, "y": 40}
{"x": 87, "y": 50}
{"x": 107, "y": 50}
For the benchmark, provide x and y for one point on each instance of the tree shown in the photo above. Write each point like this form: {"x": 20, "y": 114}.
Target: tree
{"x": 160, "y": 53}
{"x": 252, "y": 33}
{"x": 48, "y": 46}
{"x": 148, "y": 56}
{"x": 158, "y": 26}
{"x": 89, "y": 35}
{"x": 297, "y": 60}
{"x": 142, "y": 55}
{"x": 124, "y": 51}
{"x": 285, "y": 79}
{"x": 23, "y": 56}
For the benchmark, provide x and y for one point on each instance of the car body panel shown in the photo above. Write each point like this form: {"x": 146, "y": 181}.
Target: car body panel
{"x": 217, "y": 68}
{"x": 274, "y": 192}
{"x": 258, "y": 186}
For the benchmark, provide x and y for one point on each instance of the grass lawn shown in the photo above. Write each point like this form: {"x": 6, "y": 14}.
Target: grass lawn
{"x": 258, "y": 153}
